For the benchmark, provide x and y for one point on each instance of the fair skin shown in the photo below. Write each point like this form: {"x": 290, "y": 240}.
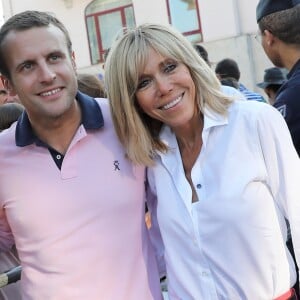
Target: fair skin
{"x": 166, "y": 92}
{"x": 43, "y": 75}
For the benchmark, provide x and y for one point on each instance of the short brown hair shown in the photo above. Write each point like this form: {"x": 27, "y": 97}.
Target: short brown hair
{"x": 138, "y": 132}
{"x": 285, "y": 25}
{"x": 24, "y": 21}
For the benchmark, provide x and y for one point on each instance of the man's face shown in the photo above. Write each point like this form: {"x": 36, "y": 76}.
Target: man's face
{"x": 42, "y": 71}
{"x": 270, "y": 46}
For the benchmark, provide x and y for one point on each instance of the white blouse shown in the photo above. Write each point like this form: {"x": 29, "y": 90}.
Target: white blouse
{"x": 231, "y": 243}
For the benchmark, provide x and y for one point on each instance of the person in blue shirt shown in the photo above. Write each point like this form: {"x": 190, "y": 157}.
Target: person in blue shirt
{"x": 228, "y": 68}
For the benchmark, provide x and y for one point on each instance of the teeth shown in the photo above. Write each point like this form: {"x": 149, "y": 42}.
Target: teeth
{"x": 49, "y": 93}
{"x": 172, "y": 103}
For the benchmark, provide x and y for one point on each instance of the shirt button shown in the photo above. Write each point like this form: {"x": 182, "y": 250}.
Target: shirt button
{"x": 58, "y": 156}
{"x": 204, "y": 274}
{"x": 199, "y": 186}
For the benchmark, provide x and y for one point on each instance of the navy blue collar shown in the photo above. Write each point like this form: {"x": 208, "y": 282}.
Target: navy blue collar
{"x": 295, "y": 67}
{"x": 91, "y": 118}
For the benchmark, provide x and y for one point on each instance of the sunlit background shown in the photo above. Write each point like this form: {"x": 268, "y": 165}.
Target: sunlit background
{"x": 225, "y": 28}
{"x": 1, "y": 14}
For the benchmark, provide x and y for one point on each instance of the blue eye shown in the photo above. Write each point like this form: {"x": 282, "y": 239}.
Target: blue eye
{"x": 55, "y": 57}
{"x": 27, "y": 66}
{"x": 170, "y": 67}
{"x": 143, "y": 83}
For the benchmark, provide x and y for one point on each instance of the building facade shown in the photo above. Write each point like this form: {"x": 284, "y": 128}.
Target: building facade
{"x": 225, "y": 28}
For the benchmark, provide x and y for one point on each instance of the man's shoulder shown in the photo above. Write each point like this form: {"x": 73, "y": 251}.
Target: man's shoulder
{"x": 105, "y": 109}
{"x": 8, "y": 135}
{"x": 108, "y": 129}
{"x": 289, "y": 93}
{"x": 104, "y": 104}
{"x": 8, "y": 145}
{"x": 287, "y": 100}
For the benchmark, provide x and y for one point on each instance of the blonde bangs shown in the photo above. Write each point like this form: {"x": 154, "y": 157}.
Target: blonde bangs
{"x": 126, "y": 62}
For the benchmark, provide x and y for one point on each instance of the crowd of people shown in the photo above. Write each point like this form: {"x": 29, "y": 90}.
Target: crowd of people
{"x": 214, "y": 164}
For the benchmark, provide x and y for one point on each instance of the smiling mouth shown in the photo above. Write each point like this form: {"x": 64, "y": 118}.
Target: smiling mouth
{"x": 172, "y": 103}
{"x": 50, "y": 93}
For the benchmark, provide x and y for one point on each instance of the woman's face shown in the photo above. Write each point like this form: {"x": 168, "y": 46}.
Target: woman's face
{"x": 166, "y": 91}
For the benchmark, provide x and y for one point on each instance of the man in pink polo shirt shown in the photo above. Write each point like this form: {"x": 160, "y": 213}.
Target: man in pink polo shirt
{"x": 69, "y": 199}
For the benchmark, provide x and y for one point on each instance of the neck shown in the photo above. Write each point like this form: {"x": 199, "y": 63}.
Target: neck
{"x": 291, "y": 56}
{"x": 190, "y": 134}
{"x": 59, "y": 132}
{"x": 189, "y": 139}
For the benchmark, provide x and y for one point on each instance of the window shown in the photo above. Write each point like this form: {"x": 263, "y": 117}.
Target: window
{"x": 104, "y": 20}
{"x": 184, "y": 16}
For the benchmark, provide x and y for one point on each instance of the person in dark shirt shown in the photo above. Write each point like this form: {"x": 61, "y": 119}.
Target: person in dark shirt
{"x": 279, "y": 29}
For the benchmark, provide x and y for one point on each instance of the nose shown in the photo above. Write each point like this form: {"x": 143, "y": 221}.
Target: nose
{"x": 46, "y": 73}
{"x": 164, "y": 85}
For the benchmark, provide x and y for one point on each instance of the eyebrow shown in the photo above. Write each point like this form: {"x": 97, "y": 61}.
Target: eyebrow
{"x": 162, "y": 63}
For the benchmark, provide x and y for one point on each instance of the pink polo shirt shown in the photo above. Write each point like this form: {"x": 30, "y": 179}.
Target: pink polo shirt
{"x": 79, "y": 231}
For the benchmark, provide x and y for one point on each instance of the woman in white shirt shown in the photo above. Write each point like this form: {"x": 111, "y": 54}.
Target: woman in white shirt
{"x": 223, "y": 175}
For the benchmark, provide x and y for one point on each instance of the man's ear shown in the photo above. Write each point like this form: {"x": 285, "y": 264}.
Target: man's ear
{"x": 8, "y": 85}
{"x": 269, "y": 37}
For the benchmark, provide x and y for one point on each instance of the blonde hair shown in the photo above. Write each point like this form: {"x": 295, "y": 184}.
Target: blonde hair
{"x": 127, "y": 58}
